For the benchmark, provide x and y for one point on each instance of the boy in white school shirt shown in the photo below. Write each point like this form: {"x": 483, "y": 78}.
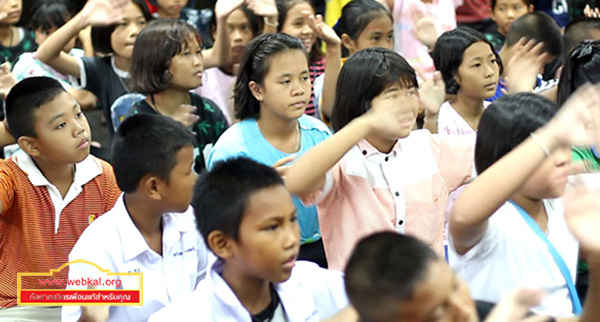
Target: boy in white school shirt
{"x": 152, "y": 228}
{"x": 248, "y": 220}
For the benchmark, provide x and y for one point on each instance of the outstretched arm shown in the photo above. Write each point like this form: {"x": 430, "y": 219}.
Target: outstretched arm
{"x": 95, "y": 12}
{"x": 219, "y": 54}
{"x": 575, "y": 124}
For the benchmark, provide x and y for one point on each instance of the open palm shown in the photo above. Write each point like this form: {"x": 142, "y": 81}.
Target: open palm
{"x": 104, "y": 12}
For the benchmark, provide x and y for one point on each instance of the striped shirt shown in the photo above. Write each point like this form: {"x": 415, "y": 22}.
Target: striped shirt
{"x": 38, "y": 227}
{"x": 316, "y": 69}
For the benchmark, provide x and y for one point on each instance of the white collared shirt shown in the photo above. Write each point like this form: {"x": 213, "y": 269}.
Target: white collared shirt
{"x": 310, "y": 294}
{"x": 85, "y": 171}
{"x": 114, "y": 243}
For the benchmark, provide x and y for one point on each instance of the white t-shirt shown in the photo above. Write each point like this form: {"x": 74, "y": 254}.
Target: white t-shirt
{"x": 309, "y": 295}
{"x": 511, "y": 255}
{"x": 218, "y": 86}
{"x": 114, "y": 243}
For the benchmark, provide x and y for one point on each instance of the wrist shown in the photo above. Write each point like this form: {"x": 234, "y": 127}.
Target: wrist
{"x": 546, "y": 140}
{"x": 271, "y": 21}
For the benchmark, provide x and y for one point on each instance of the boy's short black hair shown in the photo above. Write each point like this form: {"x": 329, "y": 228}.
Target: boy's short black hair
{"x": 101, "y": 34}
{"x": 48, "y": 14}
{"x": 506, "y": 123}
{"x": 364, "y": 76}
{"x": 449, "y": 51}
{"x": 154, "y": 48}
{"x": 222, "y": 194}
{"x": 147, "y": 144}
{"x": 577, "y": 31}
{"x": 384, "y": 268}
{"x": 540, "y": 27}
{"x": 24, "y": 98}
{"x": 525, "y": 2}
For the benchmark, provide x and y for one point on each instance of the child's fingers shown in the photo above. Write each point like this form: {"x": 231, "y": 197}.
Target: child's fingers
{"x": 283, "y": 161}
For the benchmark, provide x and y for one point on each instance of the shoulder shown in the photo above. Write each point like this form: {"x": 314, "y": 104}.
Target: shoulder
{"x": 104, "y": 229}
{"x": 195, "y": 304}
{"x": 313, "y": 126}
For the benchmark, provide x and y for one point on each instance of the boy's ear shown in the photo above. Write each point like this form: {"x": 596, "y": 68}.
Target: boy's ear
{"x": 220, "y": 244}
{"x": 457, "y": 79}
{"x": 256, "y": 90}
{"x": 29, "y": 145}
{"x": 151, "y": 186}
{"x": 348, "y": 42}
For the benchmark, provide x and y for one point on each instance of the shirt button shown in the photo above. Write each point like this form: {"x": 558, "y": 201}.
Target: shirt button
{"x": 400, "y": 222}
{"x": 397, "y": 194}
{"x": 386, "y": 159}
{"x": 364, "y": 152}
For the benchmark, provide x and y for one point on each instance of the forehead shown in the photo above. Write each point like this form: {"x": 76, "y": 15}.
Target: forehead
{"x": 132, "y": 11}
{"x": 287, "y": 62}
{"x": 59, "y": 104}
{"x": 381, "y": 23}
{"x": 509, "y": 2}
{"x": 266, "y": 203}
{"x": 479, "y": 49}
{"x": 431, "y": 291}
{"x": 296, "y": 9}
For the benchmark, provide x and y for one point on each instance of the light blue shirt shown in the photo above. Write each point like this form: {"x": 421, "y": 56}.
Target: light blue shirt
{"x": 245, "y": 139}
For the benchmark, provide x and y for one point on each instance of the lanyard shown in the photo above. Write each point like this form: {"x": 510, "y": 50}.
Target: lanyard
{"x": 555, "y": 255}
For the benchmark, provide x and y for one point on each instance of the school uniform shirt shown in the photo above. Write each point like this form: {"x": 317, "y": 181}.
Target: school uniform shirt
{"x": 310, "y": 294}
{"x": 114, "y": 243}
{"x": 451, "y": 123}
{"x": 245, "y": 139}
{"x": 218, "y": 87}
{"x": 405, "y": 190}
{"x": 27, "y": 44}
{"x": 38, "y": 227}
{"x": 207, "y": 130}
{"x": 29, "y": 65}
{"x": 511, "y": 255}
{"x": 101, "y": 76}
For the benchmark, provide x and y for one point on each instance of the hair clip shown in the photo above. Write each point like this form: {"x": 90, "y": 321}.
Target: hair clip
{"x": 585, "y": 49}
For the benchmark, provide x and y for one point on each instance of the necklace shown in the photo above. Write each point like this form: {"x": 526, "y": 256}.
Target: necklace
{"x": 155, "y": 107}
{"x": 297, "y": 148}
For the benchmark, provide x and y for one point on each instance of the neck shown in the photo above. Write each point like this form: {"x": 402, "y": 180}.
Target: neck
{"x": 230, "y": 69}
{"x": 534, "y": 208}
{"x": 6, "y": 33}
{"x": 505, "y": 57}
{"x": 253, "y": 293}
{"x": 123, "y": 63}
{"x": 165, "y": 15}
{"x": 383, "y": 146}
{"x": 469, "y": 108}
{"x": 281, "y": 133}
{"x": 145, "y": 215}
{"x": 58, "y": 174}
{"x": 168, "y": 101}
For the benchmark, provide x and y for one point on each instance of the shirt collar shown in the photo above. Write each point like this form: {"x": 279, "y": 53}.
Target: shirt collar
{"x": 85, "y": 171}
{"x": 173, "y": 226}
{"x": 368, "y": 150}
{"x": 121, "y": 73}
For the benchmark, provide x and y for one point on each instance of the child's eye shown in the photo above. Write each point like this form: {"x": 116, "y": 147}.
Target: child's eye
{"x": 294, "y": 219}
{"x": 390, "y": 37}
{"x": 287, "y": 81}
{"x": 477, "y": 65}
{"x": 61, "y": 125}
{"x": 494, "y": 61}
{"x": 376, "y": 38}
{"x": 142, "y": 22}
{"x": 305, "y": 78}
{"x": 79, "y": 115}
{"x": 272, "y": 228}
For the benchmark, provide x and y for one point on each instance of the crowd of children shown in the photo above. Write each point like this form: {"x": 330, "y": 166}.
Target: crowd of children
{"x": 397, "y": 160}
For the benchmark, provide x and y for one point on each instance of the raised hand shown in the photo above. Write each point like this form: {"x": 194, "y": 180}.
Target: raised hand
{"x": 516, "y": 307}
{"x": 104, "y": 12}
{"x": 321, "y": 29}
{"x": 424, "y": 27}
{"x": 432, "y": 94}
{"x": 263, "y": 8}
{"x": 282, "y": 165}
{"x": 526, "y": 62}
{"x": 186, "y": 114}
{"x": 7, "y": 80}
{"x": 591, "y": 13}
{"x": 578, "y": 121}
{"x": 223, "y": 8}
{"x": 582, "y": 213}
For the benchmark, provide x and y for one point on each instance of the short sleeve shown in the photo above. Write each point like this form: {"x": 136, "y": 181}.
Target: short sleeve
{"x": 7, "y": 186}
{"x": 89, "y": 74}
{"x": 111, "y": 189}
{"x": 330, "y": 192}
{"x": 326, "y": 286}
{"x": 455, "y": 158}
{"x": 483, "y": 248}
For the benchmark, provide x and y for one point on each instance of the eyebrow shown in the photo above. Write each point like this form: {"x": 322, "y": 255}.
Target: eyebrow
{"x": 279, "y": 217}
{"x": 290, "y": 74}
{"x": 55, "y": 117}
